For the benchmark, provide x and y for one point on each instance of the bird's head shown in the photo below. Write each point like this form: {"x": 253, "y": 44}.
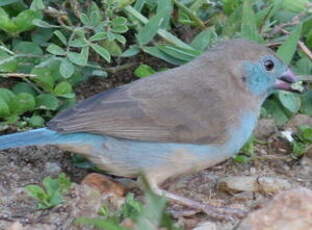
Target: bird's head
{"x": 267, "y": 74}
{"x": 254, "y": 67}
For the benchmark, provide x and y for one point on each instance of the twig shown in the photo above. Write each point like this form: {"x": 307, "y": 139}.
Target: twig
{"x": 18, "y": 75}
{"x": 118, "y": 68}
{"x": 305, "y": 49}
{"x": 301, "y": 44}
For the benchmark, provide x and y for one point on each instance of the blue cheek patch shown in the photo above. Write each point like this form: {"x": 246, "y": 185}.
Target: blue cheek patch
{"x": 258, "y": 81}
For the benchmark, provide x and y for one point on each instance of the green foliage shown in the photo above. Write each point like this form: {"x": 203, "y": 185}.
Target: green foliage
{"x": 148, "y": 216}
{"x": 303, "y": 141}
{"x": 246, "y": 152}
{"x": 144, "y": 71}
{"x": 56, "y": 53}
{"x": 51, "y": 192}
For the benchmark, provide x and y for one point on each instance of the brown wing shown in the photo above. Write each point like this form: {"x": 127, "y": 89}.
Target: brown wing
{"x": 179, "y": 105}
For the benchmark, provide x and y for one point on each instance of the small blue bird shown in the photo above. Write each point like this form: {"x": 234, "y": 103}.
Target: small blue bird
{"x": 175, "y": 122}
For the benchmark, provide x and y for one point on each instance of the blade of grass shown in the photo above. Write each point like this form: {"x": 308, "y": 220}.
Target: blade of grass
{"x": 161, "y": 32}
{"x": 287, "y": 50}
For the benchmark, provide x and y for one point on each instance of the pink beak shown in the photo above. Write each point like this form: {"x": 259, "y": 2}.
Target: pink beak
{"x": 285, "y": 80}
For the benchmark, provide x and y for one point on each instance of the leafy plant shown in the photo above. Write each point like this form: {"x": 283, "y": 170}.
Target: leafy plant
{"x": 148, "y": 216}
{"x": 303, "y": 141}
{"x": 51, "y": 192}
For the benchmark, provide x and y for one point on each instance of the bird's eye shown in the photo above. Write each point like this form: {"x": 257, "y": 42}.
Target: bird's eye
{"x": 268, "y": 65}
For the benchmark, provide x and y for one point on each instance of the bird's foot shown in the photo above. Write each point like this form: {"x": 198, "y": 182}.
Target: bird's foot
{"x": 223, "y": 213}
{"x": 220, "y": 213}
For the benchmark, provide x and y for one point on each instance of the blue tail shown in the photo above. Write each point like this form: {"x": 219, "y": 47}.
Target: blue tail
{"x": 41, "y": 136}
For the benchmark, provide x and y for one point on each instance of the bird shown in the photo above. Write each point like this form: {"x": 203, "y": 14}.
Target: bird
{"x": 172, "y": 123}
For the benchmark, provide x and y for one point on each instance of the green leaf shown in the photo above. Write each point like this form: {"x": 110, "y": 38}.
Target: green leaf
{"x": 37, "y": 5}
{"x": 99, "y": 73}
{"x": 36, "y": 121}
{"x": 66, "y": 68}
{"x": 43, "y": 24}
{"x": 8, "y": 2}
{"x": 4, "y": 108}
{"x": 249, "y": 23}
{"x": 304, "y": 66}
{"x": 295, "y": 6}
{"x": 298, "y": 149}
{"x": 7, "y": 95}
{"x": 94, "y": 15}
{"x": 164, "y": 7}
{"x": 36, "y": 192}
{"x": 44, "y": 77}
{"x": 132, "y": 51}
{"x": 204, "y": 39}
{"x": 98, "y": 36}
{"x": 47, "y": 102}
{"x": 290, "y": 101}
{"x": 61, "y": 36}
{"x": 132, "y": 208}
{"x": 144, "y": 71}
{"x": 25, "y": 47}
{"x": 120, "y": 29}
{"x": 241, "y": 159}
{"x": 121, "y": 39}
{"x": 5, "y": 22}
{"x": 156, "y": 52}
{"x": 306, "y": 107}
{"x": 51, "y": 185}
{"x": 78, "y": 43}
{"x": 233, "y": 23}
{"x": 23, "y": 87}
{"x": 275, "y": 109}
{"x": 63, "y": 88}
{"x": 184, "y": 55}
{"x": 7, "y": 63}
{"x": 112, "y": 47}
{"x": 24, "y": 20}
{"x": 41, "y": 35}
{"x": 84, "y": 19}
{"x": 147, "y": 33}
{"x": 56, "y": 50}
{"x": 22, "y": 103}
{"x": 101, "y": 51}
{"x": 119, "y": 21}
{"x": 305, "y": 133}
{"x": 79, "y": 58}
{"x": 287, "y": 50}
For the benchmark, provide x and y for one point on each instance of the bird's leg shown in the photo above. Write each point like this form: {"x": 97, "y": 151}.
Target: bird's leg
{"x": 222, "y": 213}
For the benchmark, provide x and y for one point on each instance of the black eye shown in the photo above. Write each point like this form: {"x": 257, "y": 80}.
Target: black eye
{"x": 268, "y": 65}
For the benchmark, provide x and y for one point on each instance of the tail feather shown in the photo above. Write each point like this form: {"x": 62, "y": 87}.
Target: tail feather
{"x": 41, "y": 136}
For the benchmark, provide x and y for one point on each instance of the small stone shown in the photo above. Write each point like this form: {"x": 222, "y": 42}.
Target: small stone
{"x": 272, "y": 185}
{"x": 52, "y": 168}
{"x": 289, "y": 210}
{"x": 299, "y": 120}
{"x": 265, "y": 128}
{"x": 206, "y": 226}
{"x": 104, "y": 185}
{"x": 16, "y": 226}
{"x": 264, "y": 184}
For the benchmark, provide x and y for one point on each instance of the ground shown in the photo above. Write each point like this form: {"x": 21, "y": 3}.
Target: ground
{"x": 20, "y": 167}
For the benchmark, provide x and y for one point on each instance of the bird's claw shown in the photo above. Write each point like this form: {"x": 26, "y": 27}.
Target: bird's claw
{"x": 223, "y": 213}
